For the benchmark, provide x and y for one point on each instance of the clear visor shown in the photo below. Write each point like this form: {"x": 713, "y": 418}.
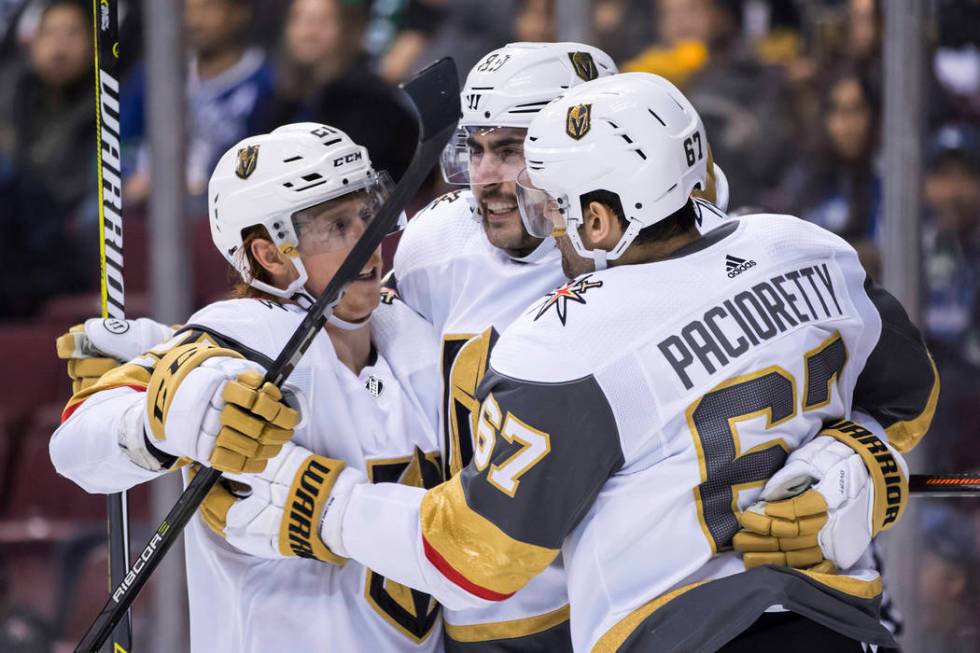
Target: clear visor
{"x": 542, "y": 214}
{"x": 337, "y": 223}
{"x": 483, "y": 155}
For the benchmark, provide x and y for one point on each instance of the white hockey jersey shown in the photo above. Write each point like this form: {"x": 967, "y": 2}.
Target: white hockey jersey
{"x": 629, "y": 414}
{"x": 447, "y": 270}
{"x": 373, "y": 421}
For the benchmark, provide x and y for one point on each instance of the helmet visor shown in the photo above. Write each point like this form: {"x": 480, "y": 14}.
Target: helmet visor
{"x": 337, "y": 223}
{"x": 483, "y": 155}
{"x": 542, "y": 214}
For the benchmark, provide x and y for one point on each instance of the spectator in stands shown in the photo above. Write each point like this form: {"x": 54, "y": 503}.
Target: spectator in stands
{"x": 947, "y": 578}
{"x": 398, "y": 33}
{"x": 621, "y": 28}
{"x": 228, "y": 84}
{"x": 46, "y": 113}
{"x": 956, "y": 60}
{"x": 838, "y": 186}
{"x": 684, "y": 31}
{"x": 463, "y": 29}
{"x": 323, "y": 75}
{"x": 469, "y": 29}
{"x": 744, "y": 104}
{"x": 47, "y": 150}
{"x": 951, "y": 239}
{"x": 321, "y": 41}
{"x": 864, "y": 25}
{"x": 535, "y": 21}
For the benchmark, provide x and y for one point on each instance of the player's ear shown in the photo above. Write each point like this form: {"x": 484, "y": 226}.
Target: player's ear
{"x": 601, "y": 227}
{"x": 267, "y": 255}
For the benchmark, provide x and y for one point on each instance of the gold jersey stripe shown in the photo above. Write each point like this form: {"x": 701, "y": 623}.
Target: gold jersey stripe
{"x": 904, "y": 436}
{"x": 130, "y": 374}
{"x": 508, "y": 629}
{"x": 619, "y": 633}
{"x": 474, "y": 547}
{"x": 615, "y": 636}
{"x": 862, "y": 589}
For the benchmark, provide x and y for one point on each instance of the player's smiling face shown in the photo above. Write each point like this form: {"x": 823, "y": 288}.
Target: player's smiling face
{"x": 496, "y": 158}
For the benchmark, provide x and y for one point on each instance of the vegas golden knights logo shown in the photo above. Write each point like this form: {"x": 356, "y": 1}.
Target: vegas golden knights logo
{"x": 584, "y": 65}
{"x": 247, "y": 158}
{"x": 413, "y": 613}
{"x": 579, "y": 121}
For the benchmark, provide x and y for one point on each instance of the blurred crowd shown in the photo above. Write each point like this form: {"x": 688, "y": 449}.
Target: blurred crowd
{"x": 790, "y": 93}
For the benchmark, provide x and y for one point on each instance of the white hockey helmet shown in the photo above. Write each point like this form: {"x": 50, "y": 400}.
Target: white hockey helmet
{"x": 632, "y": 134}
{"x": 509, "y": 86}
{"x": 266, "y": 179}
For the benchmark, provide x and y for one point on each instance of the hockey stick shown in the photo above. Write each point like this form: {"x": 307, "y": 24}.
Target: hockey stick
{"x": 434, "y": 93}
{"x": 944, "y": 485}
{"x": 106, "y": 49}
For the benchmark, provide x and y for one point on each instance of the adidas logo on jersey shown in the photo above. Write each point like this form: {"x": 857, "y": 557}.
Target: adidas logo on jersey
{"x": 737, "y": 266}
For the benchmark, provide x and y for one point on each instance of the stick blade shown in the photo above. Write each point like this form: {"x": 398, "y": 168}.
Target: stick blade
{"x": 434, "y": 95}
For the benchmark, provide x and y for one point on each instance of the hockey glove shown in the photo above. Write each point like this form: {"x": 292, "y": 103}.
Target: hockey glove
{"x": 834, "y": 494}
{"x": 277, "y": 513}
{"x": 99, "y": 345}
{"x": 209, "y": 404}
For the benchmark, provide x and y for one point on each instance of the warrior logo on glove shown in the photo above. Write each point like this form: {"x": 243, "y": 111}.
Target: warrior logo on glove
{"x": 308, "y": 495}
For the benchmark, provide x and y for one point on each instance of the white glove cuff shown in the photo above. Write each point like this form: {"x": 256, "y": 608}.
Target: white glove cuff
{"x": 132, "y": 439}
{"x": 332, "y": 522}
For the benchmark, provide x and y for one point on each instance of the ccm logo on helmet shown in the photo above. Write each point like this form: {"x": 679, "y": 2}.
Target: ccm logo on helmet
{"x": 347, "y": 158}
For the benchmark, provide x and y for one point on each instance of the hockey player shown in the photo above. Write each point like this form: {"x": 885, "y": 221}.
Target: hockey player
{"x": 467, "y": 264}
{"x": 285, "y": 209}
{"x": 629, "y": 417}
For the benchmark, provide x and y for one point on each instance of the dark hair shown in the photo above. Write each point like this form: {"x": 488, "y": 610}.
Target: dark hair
{"x": 677, "y": 223}
{"x": 871, "y": 95}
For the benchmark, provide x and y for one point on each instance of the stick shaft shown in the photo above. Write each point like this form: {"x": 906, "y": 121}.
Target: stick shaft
{"x": 106, "y": 50}
{"x": 945, "y": 485}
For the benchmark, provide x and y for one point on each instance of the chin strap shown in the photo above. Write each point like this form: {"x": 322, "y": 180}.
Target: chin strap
{"x": 345, "y": 325}
{"x": 599, "y": 256}
{"x": 297, "y": 293}
{"x": 302, "y": 299}
{"x": 305, "y": 301}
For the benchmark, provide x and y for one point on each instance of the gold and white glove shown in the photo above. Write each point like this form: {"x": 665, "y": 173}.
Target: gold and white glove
{"x": 278, "y": 512}
{"x": 834, "y": 494}
{"x": 210, "y": 405}
{"x": 99, "y": 345}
